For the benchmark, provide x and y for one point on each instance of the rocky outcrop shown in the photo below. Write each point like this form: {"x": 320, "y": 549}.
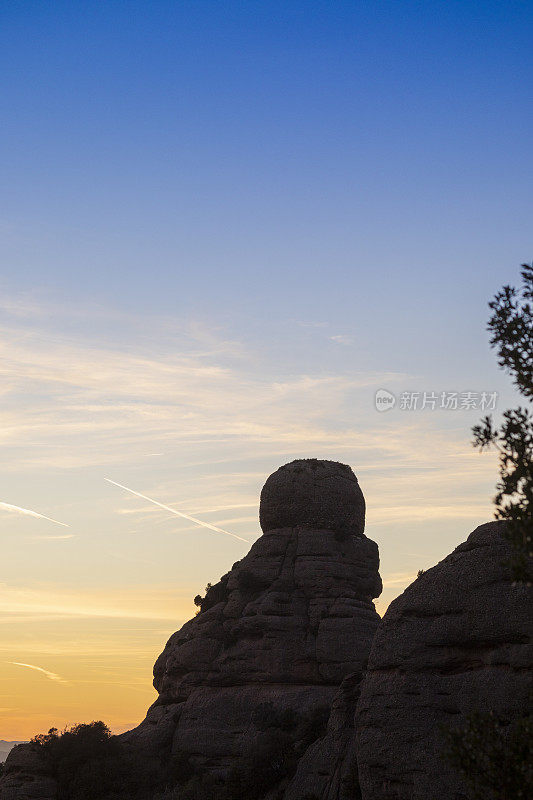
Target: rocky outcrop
{"x": 249, "y": 682}
{"x": 314, "y": 494}
{"x": 458, "y": 639}
{"x": 26, "y": 775}
{"x": 264, "y": 693}
{"x": 6, "y": 748}
{"x": 328, "y": 768}
{"x": 279, "y": 633}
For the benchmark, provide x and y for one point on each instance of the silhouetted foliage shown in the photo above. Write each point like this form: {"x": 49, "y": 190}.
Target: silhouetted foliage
{"x": 90, "y": 764}
{"x": 494, "y": 756}
{"x": 199, "y": 600}
{"x": 213, "y": 594}
{"x": 216, "y": 594}
{"x": 512, "y": 327}
{"x": 514, "y": 498}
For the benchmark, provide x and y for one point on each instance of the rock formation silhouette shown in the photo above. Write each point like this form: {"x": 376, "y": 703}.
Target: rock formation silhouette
{"x": 27, "y": 775}
{"x": 287, "y": 686}
{"x": 457, "y": 640}
{"x": 279, "y": 632}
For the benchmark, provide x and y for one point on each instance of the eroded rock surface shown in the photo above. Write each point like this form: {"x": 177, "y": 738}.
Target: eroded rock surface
{"x": 250, "y": 681}
{"x": 458, "y": 639}
{"x": 313, "y": 493}
{"x": 26, "y": 775}
{"x": 328, "y": 768}
{"x": 280, "y": 631}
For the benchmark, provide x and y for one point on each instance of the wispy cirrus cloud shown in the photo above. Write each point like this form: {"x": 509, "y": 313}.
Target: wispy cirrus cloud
{"x": 11, "y": 509}
{"x": 181, "y": 514}
{"x": 189, "y": 413}
{"x": 89, "y": 402}
{"x": 342, "y": 338}
{"x": 398, "y": 579}
{"x": 52, "y": 676}
{"x": 215, "y": 509}
{"x": 55, "y": 601}
{"x": 423, "y": 511}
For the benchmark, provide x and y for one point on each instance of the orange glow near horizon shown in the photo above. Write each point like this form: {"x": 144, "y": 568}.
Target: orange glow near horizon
{"x": 73, "y": 666}
{"x": 86, "y": 610}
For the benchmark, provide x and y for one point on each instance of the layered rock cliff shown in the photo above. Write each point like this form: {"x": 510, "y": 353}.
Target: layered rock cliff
{"x": 27, "y": 775}
{"x": 328, "y": 768}
{"x": 277, "y": 635}
{"x": 459, "y": 639}
{"x": 269, "y": 693}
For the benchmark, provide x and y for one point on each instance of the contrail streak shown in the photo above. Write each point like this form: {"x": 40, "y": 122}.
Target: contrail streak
{"x": 178, "y": 513}
{"x": 19, "y": 510}
{"x": 50, "y": 675}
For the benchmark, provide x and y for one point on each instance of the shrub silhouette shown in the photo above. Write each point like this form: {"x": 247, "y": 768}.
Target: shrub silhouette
{"x": 90, "y": 764}
{"x": 213, "y": 594}
{"x": 494, "y": 755}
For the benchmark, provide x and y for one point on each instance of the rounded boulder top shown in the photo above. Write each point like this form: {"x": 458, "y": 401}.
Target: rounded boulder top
{"x": 313, "y": 493}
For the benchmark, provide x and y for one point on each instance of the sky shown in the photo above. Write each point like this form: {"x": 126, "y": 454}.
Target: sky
{"x": 223, "y": 227}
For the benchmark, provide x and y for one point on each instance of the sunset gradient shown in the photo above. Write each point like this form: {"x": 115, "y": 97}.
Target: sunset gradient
{"x": 225, "y": 227}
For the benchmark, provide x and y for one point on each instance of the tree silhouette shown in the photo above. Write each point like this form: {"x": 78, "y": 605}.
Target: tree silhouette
{"x": 511, "y": 325}
{"x": 492, "y": 752}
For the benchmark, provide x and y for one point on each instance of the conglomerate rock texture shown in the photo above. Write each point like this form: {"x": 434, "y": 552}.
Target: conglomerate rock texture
{"x": 328, "y": 768}
{"x": 457, "y": 640}
{"x": 281, "y": 645}
{"x": 27, "y": 776}
{"x": 315, "y": 494}
{"x": 280, "y": 631}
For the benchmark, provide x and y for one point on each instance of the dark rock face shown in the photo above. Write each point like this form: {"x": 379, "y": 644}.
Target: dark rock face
{"x": 315, "y": 494}
{"x": 26, "y": 775}
{"x": 281, "y": 630}
{"x": 283, "y": 639}
{"x": 265, "y": 657}
{"x": 328, "y": 768}
{"x": 458, "y": 639}
{"x": 6, "y": 748}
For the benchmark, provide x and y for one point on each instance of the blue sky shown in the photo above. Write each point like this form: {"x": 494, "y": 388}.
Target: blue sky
{"x": 244, "y": 153}
{"x": 223, "y": 227}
